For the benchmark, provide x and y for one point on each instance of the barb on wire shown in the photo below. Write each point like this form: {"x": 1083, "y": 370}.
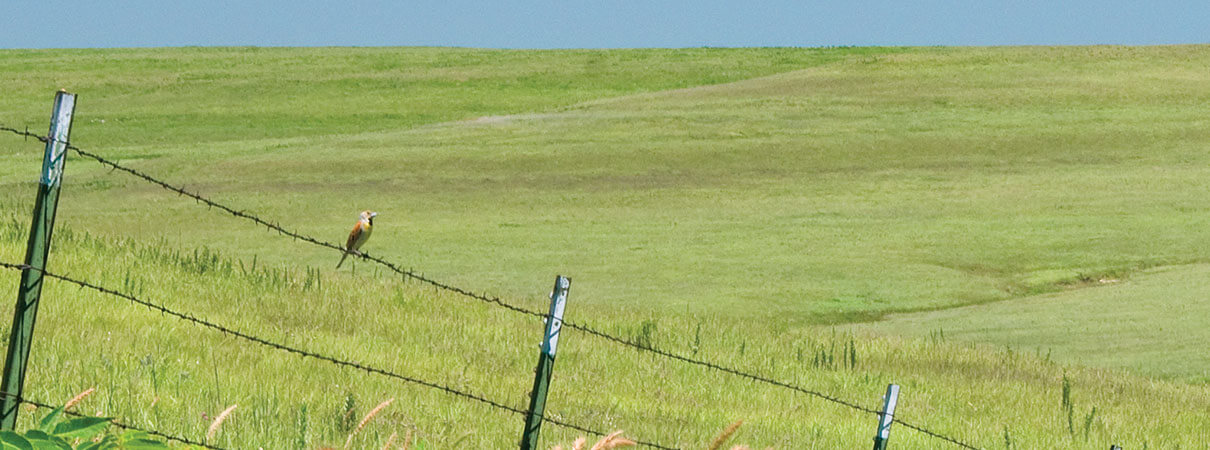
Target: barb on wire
{"x": 407, "y": 273}
{"x": 25, "y": 133}
{"x": 116, "y": 423}
{"x": 305, "y": 353}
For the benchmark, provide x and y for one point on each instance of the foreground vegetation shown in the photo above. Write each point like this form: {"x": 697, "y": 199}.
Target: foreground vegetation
{"x": 743, "y": 205}
{"x": 158, "y": 372}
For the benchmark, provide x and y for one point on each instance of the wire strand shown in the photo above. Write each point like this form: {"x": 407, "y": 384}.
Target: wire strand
{"x": 305, "y": 353}
{"x": 408, "y": 273}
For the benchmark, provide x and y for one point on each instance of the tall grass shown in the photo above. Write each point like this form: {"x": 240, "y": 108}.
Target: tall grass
{"x": 155, "y": 372}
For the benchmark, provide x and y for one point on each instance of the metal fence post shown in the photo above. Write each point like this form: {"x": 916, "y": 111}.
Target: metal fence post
{"x": 546, "y": 364}
{"x": 30, "y": 289}
{"x": 887, "y": 417}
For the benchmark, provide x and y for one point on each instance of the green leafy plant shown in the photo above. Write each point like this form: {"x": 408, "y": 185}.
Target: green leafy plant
{"x": 57, "y": 431}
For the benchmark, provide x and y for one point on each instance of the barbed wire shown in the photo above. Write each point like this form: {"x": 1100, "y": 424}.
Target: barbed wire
{"x": 408, "y": 273}
{"x": 114, "y": 422}
{"x": 762, "y": 379}
{"x": 305, "y": 353}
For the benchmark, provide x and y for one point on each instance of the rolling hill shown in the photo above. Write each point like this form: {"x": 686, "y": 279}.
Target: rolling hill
{"x": 752, "y": 206}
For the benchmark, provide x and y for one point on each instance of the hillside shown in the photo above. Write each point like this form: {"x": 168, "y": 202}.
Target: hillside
{"x": 1151, "y": 322}
{"x": 690, "y": 194}
{"x": 883, "y": 182}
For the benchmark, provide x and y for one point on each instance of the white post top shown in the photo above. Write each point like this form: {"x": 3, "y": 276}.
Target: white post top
{"x": 558, "y": 300}
{"x": 888, "y": 411}
{"x": 56, "y": 142}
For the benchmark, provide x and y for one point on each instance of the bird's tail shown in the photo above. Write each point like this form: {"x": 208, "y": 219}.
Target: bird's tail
{"x": 342, "y": 259}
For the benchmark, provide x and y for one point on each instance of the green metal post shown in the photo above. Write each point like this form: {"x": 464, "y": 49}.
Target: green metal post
{"x": 887, "y": 417}
{"x": 30, "y": 288}
{"x": 546, "y": 364}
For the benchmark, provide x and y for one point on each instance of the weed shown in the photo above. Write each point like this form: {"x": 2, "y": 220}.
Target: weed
{"x": 301, "y": 426}
{"x": 1088, "y": 421}
{"x": 347, "y": 420}
{"x": 697, "y": 338}
{"x": 644, "y": 335}
{"x": 1068, "y": 407}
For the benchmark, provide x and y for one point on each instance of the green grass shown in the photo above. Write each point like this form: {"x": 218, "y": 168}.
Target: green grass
{"x": 756, "y": 195}
{"x": 915, "y": 180}
{"x": 1151, "y": 323}
{"x": 162, "y": 373}
{"x": 152, "y": 97}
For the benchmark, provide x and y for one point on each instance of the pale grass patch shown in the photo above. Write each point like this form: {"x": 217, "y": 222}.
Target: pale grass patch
{"x": 407, "y": 441}
{"x": 611, "y": 441}
{"x": 79, "y": 397}
{"x": 615, "y": 440}
{"x": 366, "y": 420}
{"x": 725, "y": 435}
{"x": 218, "y": 422}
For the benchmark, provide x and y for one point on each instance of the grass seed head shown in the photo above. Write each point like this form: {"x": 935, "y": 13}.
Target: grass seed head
{"x": 79, "y": 397}
{"x": 366, "y": 420}
{"x": 725, "y": 435}
{"x": 613, "y": 440}
{"x": 218, "y": 422}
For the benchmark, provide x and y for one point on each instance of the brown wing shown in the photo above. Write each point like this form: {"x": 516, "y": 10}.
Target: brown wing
{"x": 353, "y": 235}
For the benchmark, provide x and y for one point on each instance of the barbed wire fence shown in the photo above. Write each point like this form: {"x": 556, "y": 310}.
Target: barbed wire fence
{"x": 411, "y": 274}
{"x": 306, "y": 353}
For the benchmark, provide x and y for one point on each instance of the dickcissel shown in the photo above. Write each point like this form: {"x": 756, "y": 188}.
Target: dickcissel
{"x": 359, "y": 235}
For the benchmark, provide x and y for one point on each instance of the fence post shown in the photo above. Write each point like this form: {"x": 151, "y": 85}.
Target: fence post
{"x": 30, "y": 289}
{"x": 546, "y": 363}
{"x": 887, "y": 417}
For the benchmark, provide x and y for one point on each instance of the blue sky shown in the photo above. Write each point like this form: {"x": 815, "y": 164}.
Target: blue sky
{"x": 599, "y": 23}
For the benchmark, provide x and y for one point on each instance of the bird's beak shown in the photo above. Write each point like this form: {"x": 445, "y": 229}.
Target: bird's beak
{"x": 373, "y": 214}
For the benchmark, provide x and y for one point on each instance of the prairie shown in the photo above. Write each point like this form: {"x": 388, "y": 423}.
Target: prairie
{"x": 943, "y": 215}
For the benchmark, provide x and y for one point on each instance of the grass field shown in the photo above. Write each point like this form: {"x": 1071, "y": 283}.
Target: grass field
{"x": 735, "y": 203}
{"x": 1152, "y": 323}
{"x": 161, "y": 373}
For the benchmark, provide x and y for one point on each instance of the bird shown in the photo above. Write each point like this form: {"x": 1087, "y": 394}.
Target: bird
{"x": 359, "y": 235}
